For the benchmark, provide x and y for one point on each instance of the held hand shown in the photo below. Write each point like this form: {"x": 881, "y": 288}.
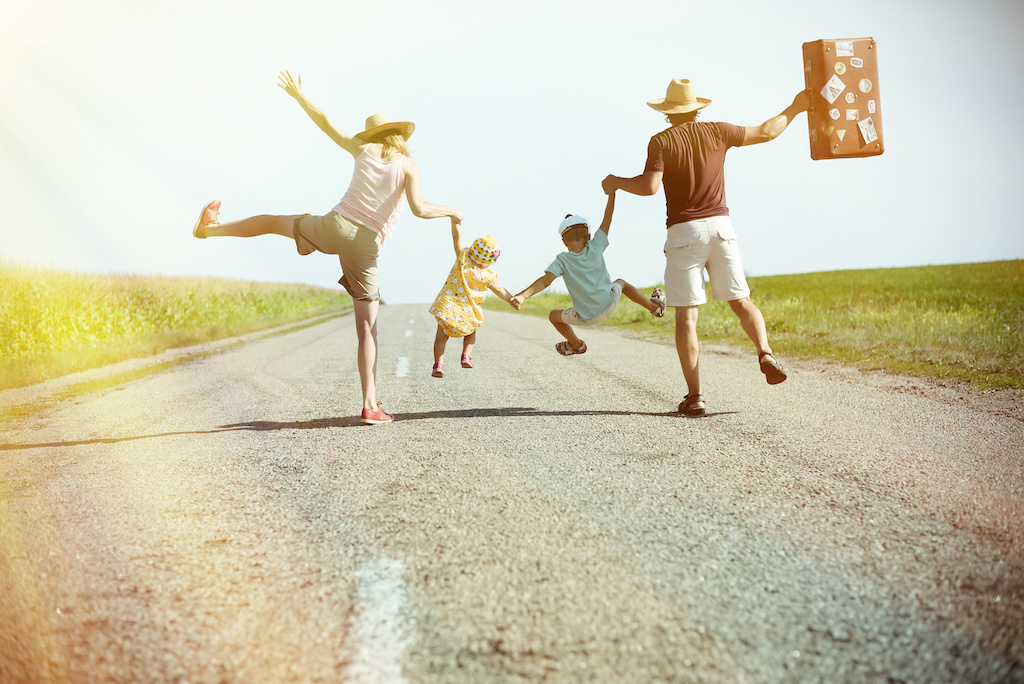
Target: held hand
{"x": 517, "y": 302}
{"x": 610, "y": 185}
{"x": 802, "y": 101}
{"x": 292, "y": 86}
{"x": 457, "y": 217}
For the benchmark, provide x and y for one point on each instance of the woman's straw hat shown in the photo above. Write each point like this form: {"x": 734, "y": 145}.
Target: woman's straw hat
{"x": 484, "y": 250}
{"x": 679, "y": 98}
{"x": 379, "y": 122}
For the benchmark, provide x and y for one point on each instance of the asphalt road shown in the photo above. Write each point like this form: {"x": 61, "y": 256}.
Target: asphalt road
{"x": 536, "y": 518}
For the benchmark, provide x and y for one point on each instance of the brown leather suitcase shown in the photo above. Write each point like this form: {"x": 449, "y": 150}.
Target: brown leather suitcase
{"x": 845, "y": 118}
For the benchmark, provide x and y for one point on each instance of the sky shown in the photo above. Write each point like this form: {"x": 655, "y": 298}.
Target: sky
{"x": 119, "y": 120}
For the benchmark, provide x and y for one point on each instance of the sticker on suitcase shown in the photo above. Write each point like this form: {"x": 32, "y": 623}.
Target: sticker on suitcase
{"x": 833, "y": 89}
{"x": 844, "y": 48}
{"x": 867, "y": 130}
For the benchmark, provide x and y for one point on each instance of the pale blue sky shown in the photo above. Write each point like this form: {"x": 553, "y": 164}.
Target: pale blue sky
{"x": 120, "y": 119}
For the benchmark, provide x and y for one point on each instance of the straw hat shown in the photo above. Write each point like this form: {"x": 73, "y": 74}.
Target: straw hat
{"x": 484, "y": 250}
{"x": 570, "y": 221}
{"x": 679, "y": 98}
{"x": 379, "y": 122}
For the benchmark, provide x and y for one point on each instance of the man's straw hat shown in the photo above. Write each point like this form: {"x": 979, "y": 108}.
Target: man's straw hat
{"x": 379, "y": 123}
{"x": 679, "y": 98}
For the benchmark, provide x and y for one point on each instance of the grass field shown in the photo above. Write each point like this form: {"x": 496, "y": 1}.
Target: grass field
{"x": 54, "y": 322}
{"x": 962, "y": 322}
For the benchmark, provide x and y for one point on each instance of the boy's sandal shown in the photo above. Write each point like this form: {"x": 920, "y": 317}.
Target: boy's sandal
{"x": 467, "y": 361}
{"x": 658, "y": 297}
{"x": 687, "y": 408}
{"x": 771, "y": 368}
{"x": 565, "y": 349}
{"x": 438, "y": 371}
{"x": 214, "y": 219}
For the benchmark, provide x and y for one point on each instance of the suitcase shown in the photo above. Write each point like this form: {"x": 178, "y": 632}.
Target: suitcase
{"x": 845, "y": 118}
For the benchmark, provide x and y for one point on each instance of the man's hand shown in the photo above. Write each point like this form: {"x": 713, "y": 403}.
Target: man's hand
{"x": 802, "y": 101}
{"x": 517, "y": 301}
{"x": 610, "y": 184}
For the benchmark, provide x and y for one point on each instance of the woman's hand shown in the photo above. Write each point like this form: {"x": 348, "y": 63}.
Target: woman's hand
{"x": 292, "y": 86}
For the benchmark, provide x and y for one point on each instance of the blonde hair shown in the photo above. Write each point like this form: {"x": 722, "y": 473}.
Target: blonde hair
{"x": 390, "y": 141}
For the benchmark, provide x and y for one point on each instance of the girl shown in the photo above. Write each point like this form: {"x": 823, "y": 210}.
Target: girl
{"x": 457, "y": 307}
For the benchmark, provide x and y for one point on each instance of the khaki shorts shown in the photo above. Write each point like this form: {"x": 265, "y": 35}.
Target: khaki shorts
{"x": 570, "y": 317}
{"x": 695, "y": 245}
{"x": 357, "y": 248}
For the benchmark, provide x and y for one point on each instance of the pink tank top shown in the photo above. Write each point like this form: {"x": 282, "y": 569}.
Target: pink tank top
{"x": 374, "y": 197}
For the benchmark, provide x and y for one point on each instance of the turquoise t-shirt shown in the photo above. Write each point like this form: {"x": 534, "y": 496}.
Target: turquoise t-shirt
{"x": 586, "y": 277}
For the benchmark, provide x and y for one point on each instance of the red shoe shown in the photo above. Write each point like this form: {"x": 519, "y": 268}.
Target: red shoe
{"x": 437, "y": 371}
{"x": 467, "y": 362}
{"x": 375, "y": 416}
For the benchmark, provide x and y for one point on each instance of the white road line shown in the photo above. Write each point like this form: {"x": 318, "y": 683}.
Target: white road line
{"x": 379, "y": 634}
{"x": 408, "y": 333}
{"x": 402, "y": 367}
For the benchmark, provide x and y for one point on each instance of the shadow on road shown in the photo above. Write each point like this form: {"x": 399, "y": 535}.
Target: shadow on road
{"x": 352, "y": 421}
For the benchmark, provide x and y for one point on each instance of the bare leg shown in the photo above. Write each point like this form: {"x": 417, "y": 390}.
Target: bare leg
{"x": 688, "y": 349}
{"x": 440, "y": 341}
{"x": 366, "y": 331}
{"x": 753, "y": 323}
{"x": 637, "y": 296}
{"x": 253, "y": 226}
{"x": 566, "y": 330}
{"x": 468, "y": 342}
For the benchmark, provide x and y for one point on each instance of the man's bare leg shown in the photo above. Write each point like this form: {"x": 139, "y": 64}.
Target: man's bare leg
{"x": 688, "y": 349}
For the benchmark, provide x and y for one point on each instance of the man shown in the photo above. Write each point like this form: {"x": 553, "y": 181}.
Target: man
{"x": 688, "y": 159}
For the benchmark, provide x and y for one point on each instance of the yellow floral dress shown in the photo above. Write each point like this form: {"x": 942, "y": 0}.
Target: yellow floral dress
{"x": 457, "y": 307}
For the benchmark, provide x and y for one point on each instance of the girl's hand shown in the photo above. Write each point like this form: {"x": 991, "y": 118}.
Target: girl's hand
{"x": 517, "y": 302}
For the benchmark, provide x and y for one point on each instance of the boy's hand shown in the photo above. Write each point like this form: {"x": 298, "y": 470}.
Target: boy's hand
{"x": 517, "y": 302}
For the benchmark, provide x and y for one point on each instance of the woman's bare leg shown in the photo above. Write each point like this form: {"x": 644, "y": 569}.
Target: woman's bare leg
{"x": 253, "y": 226}
{"x": 366, "y": 331}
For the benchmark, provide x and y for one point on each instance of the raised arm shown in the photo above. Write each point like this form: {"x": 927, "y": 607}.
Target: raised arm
{"x": 773, "y": 127}
{"x": 609, "y": 208}
{"x": 457, "y": 236}
{"x": 293, "y": 86}
{"x": 538, "y": 285}
{"x": 414, "y": 194}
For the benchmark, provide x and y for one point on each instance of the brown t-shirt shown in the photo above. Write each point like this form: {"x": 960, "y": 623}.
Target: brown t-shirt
{"x": 692, "y": 158}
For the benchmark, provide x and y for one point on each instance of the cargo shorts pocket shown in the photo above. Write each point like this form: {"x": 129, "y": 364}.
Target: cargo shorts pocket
{"x": 686, "y": 237}
{"x": 726, "y": 233}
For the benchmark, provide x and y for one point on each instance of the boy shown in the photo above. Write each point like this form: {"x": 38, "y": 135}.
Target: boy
{"x": 594, "y": 296}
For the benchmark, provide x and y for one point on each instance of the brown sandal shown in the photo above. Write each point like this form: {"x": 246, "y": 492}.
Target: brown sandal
{"x": 687, "y": 408}
{"x": 771, "y": 368}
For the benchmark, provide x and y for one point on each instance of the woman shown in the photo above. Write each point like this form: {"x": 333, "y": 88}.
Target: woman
{"x": 356, "y": 228}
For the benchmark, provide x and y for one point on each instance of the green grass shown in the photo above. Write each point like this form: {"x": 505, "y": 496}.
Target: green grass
{"x": 963, "y": 322}
{"x": 54, "y": 322}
